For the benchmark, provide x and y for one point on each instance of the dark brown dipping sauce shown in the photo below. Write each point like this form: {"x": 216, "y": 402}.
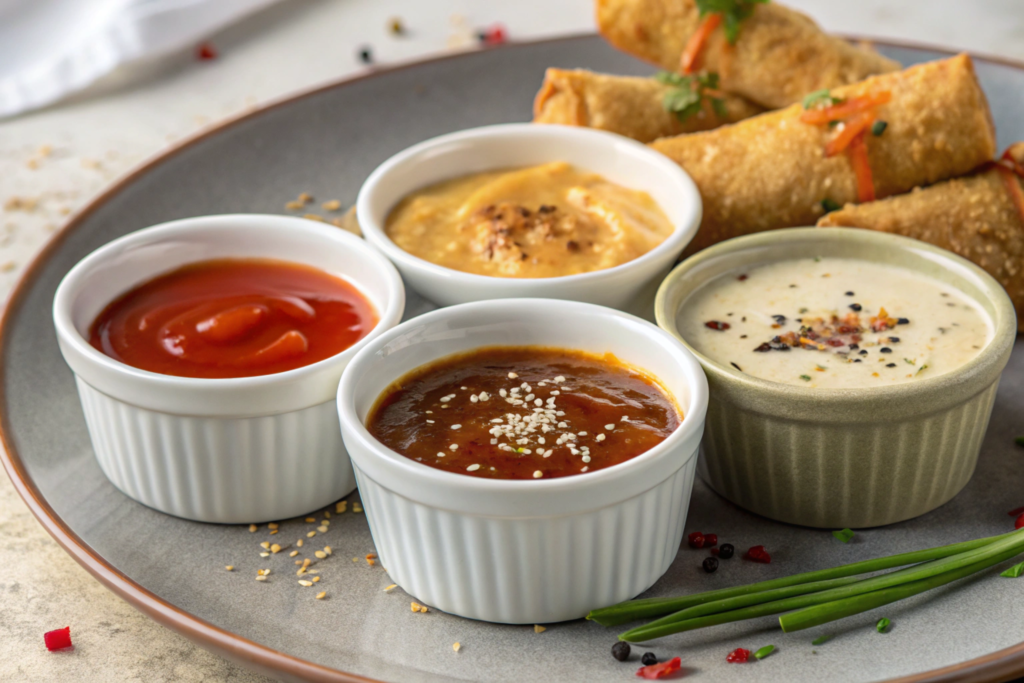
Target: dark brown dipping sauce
{"x": 514, "y": 412}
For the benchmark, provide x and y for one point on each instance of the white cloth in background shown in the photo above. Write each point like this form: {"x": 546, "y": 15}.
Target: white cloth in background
{"x": 52, "y": 48}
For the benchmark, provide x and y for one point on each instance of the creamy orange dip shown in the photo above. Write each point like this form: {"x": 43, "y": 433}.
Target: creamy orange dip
{"x": 542, "y": 221}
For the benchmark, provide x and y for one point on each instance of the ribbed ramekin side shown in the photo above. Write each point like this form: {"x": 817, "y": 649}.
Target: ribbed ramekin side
{"x": 835, "y": 476}
{"x": 528, "y": 569}
{"x": 227, "y": 470}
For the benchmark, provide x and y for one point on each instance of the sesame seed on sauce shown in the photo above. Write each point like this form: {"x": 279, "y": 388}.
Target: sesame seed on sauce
{"x": 530, "y": 423}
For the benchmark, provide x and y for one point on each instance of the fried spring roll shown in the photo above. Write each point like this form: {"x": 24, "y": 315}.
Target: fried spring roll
{"x": 770, "y": 171}
{"x": 626, "y": 105}
{"x": 973, "y": 216}
{"x": 779, "y": 56}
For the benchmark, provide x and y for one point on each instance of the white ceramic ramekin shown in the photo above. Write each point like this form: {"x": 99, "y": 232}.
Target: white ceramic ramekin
{"x": 249, "y": 449}
{"x": 533, "y": 551}
{"x": 618, "y": 159}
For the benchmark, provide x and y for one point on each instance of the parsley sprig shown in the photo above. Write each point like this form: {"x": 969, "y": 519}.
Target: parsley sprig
{"x": 686, "y": 94}
{"x": 820, "y": 98}
{"x": 733, "y": 13}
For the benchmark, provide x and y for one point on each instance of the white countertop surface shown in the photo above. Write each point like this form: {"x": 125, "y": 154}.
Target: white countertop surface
{"x": 52, "y": 162}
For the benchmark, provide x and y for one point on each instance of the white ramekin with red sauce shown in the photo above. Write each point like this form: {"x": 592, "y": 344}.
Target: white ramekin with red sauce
{"x": 246, "y": 449}
{"x": 524, "y": 551}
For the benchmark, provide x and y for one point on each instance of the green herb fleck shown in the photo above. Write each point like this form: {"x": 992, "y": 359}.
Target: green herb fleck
{"x": 764, "y": 652}
{"x": 844, "y": 535}
{"x": 921, "y": 369}
{"x": 821, "y": 368}
{"x": 806, "y": 378}
{"x": 878, "y": 127}
{"x": 1019, "y": 441}
{"x": 882, "y": 625}
{"x": 817, "y": 258}
{"x": 821, "y": 640}
{"x": 520, "y": 449}
{"x": 1014, "y": 571}
{"x": 686, "y": 94}
{"x": 829, "y": 206}
{"x": 820, "y": 98}
{"x": 909, "y": 362}
{"x": 733, "y": 13}
{"x": 804, "y": 310}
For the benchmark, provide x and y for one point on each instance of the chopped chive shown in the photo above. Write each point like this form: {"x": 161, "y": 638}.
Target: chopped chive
{"x": 821, "y": 640}
{"x": 764, "y": 652}
{"x": 820, "y": 97}
{"x": 909, "y": 362}
{"x": 922, "y": 369}
{"x": 879, "y": 127}
{"x": 828, "y": 205}
{"x": 1014, "y": 571}
{"x": 817, "y": 258}
{"x": 804, "y": 310}
{"x": 844, "y": 535}
{"x": 882, "y": 625}
{"x": 806, "y": 378}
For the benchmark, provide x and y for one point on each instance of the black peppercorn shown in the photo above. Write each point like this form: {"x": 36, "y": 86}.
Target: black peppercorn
{"x": 711, "y": 563}
{"x": 620, "y": 651}
{"x": 365, "y": 55}
{"x": 885, "y": 349}
{"x": 849, "y": 294}
{"x": 648, "y": 659}
{"x": 890, "y": 365}
{"x": 855, "y": 307}
{"x": 726, "y": 550}
{"x": 863, "y": 352}
{"x": 902, "y": 321}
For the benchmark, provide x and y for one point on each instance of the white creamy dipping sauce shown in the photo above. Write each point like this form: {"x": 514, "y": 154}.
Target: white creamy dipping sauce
{"x": 834, "y": 323}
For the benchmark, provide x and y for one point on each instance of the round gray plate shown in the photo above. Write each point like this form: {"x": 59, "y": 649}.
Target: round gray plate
{"x": 326, "y": 143}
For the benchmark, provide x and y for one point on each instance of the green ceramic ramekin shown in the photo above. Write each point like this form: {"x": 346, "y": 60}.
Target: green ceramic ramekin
{"x": 836, "y": 458}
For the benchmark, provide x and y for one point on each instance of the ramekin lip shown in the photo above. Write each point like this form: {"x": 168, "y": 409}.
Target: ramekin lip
{"x": 67, "y": 290}
{"x": 375, "y": 233}
{"x": 693, "y": 417}
{"x": 1003, "y": 323}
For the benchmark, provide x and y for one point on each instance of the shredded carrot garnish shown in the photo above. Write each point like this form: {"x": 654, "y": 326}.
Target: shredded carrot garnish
{"x": 843, "y": 110}
{"x": 688, "y": 61}
{"x": 852, "y": 127}
{"x": 858, "y": 153}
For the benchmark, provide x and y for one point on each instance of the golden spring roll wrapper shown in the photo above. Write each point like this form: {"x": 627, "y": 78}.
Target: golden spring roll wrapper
{"x": 971, "y": 216}
{"x": 779, "y": 56}
{"x": 626, "y": 105}
{"x": 770, "y": 171}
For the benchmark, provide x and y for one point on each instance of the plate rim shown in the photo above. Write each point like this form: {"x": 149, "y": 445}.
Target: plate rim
{"x": 995, "y": 667}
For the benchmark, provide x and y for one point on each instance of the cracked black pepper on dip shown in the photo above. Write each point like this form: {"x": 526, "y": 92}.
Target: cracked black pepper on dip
{"x": 834, "y": 323}
{"x": 523, "y": 413}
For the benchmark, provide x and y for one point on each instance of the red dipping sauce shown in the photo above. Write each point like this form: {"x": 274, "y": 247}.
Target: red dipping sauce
{"x": 233, "y": 318}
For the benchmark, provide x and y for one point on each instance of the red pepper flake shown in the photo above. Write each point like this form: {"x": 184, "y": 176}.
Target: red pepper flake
{"x": 714, "y": 551}
{"x": 759, "y": 554}
{"x": 206, "y": 52}
{"x": 655, "y": 671}
{"x": 696, "y": 539}
{"x": 1019, "y": 524}
{"x": 1018, "y": 511}
{"x": 58, "y": 640}
{"x": 738, "y": 656}
{"x": 495, "y": 35}
{"x": 716, "y": 325}
{"x": 743, "y": 277}
{"x": 710, "y": 540}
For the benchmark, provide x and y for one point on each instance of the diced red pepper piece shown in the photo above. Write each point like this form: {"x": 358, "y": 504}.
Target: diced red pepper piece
{"x": 1019, "y": 524}
{"x": 694, "y": 46}
{"x": 844, "y": 110}
{"x": 858, "y": 153}
{"x": 1018, "y": 511}
{"x": 759, "y": 554}
{"x": 206, "y": 52}
{"x": 714, "y": 551}
{"x": 710, "y": 540}
{"x": 661, "y": 670}
{"x": 495, "y": 35}
{"x": 696, "y": 539}
{"x": 58, "y": 640}
{"x": 738, "y": 656}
